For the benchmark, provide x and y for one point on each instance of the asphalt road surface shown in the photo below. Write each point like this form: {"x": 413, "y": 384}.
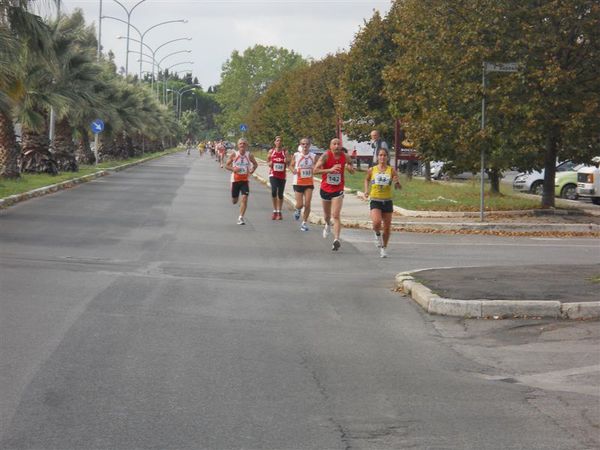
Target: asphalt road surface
{"x": 135, "y": 313}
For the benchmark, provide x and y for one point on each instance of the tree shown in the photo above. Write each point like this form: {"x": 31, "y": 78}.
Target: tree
{"x": 245, "y": 77}
{"x": 21, "y": 33}
{"x": 270, "y": 114}
{"x": 552, "y": 104}
{"x": 365, "y": 105}
{"x": 76, "y": 75}
{"x": 316, "y": 114}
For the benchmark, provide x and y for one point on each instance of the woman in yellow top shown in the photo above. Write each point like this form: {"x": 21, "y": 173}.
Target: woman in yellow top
{"x": 378, "y": 187}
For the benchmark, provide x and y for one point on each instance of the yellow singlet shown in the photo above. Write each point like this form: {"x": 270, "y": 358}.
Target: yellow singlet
{"x": 381, "y": 183}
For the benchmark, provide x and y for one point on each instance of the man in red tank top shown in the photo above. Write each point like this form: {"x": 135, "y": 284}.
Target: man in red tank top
{"x": 332, "y": 166}
{"x": 278, "y": 161}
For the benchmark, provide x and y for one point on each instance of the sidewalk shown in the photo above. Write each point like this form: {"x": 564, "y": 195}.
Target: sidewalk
{"x": 355, "y": 213}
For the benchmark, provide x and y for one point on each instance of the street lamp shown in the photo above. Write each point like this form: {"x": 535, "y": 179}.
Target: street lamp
{"x": 128, "y": 22}
{"x": 169, "y": 68}
{"x": 181, "y": 100}
{"x": 487, "y": 68}
{"x": 153, "y": 56}
{"x": 154, "y": 26}
{"x": 180, "y": 92}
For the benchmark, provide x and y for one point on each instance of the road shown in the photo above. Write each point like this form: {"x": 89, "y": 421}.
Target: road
{"x": 135, "y": 313}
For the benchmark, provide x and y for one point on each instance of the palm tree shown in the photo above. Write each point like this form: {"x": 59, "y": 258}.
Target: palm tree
{"x": 75, "y": 80}
{"x": 21, "y": 33}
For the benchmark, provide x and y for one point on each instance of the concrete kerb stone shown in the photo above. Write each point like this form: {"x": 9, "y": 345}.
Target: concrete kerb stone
{"x": 484, "y": 308}
{"x": 520, "y": 308}
{"x": 583, "y": 310}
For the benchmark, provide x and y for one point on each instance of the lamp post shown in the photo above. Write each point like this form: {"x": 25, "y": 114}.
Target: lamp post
{"x": 487, "y": 68}
{"x": 152, "y": 27}
{"x": 128, "y": 12}
{"x": 153, "y": 54}
{"x": 169, "y": 68}
{"x": 180, "y": 92}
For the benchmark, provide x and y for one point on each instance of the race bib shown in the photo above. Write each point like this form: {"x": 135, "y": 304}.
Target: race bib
{"x": 306, "y": 173}
{"x": 242, "y": 170}
{"x": 334, "y": 178}
{"x": 382, "y": 179}
{"x": 278, "y": 167}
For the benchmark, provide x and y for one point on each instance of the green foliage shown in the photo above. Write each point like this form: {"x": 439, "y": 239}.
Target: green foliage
{"x": 365, "y": 105}
{"x": 547, "y": 110}
{"x": 245, "y": 77}
{"x": 315, "y": 99}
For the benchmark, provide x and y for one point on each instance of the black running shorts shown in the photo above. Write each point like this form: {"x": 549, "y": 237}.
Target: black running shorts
{"x": 331, "y": 195}
{"x": 238, "y": 187}
{"x": 386, "y": 206}
{"x": 302, "y": 188}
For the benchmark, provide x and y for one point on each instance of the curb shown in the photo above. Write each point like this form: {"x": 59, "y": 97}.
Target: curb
{"x": 39, "y": 192}
{"x": 497, "y": 309}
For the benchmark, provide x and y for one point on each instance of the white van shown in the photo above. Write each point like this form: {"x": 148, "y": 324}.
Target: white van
{"x": 588, "y": 181}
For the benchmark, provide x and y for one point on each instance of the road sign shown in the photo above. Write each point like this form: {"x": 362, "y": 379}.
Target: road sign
{"x": 97, "y": 126}
{"x": 501, "y": 67}
{"x": 243, "y": 128}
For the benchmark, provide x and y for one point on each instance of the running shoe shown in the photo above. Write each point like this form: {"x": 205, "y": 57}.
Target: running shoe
{"x": 274, "y": 216}
{"x": 303, "y": 227}
{"x": 296, "y": 214}
{"x": 383, "y": 252}
{"x": 279, "y": 215}
{"x": 241, "y": 221}
{"x": 378, "y": 240}
{"x": 326, "y": 231}
{"x": 336, "y": 245}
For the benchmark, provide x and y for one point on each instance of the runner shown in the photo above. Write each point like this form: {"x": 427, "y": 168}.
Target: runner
{"x": 242, "y": 164}
{"x": 332, "y": 166}
{"x": 302, "y": 168}
{"x": 378, "y": 186}
{"x": 277, "y": 160}
{"x": 221, "y": 149}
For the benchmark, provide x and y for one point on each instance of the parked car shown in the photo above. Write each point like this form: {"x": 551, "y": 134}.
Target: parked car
{"x": 565, "y": 183}
{"x": 533, "y": 182}
{"x": 588, "y": 181}
{"x": 445, "y": 170}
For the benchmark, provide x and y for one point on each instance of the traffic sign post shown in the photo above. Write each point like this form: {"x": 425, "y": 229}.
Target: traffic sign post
{"x": 243, "y": 127}
{"x": 97, "y": 127}
{"x": 490, "y": 67}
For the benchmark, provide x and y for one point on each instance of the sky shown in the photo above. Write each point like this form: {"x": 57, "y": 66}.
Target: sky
{"x": 218, "y": 27}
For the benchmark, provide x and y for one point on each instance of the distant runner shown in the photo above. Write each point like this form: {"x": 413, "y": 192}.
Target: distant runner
{"x": 242, "y": 164}
{"x": 278, "y": 161}
{"x": 332, "y": 165}
{"x": 221, "y": 150}
{"x": 302, "y": 167}
{"x": 378, "y": 186}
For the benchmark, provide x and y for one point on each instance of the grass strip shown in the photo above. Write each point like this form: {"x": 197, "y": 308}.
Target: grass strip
{"x": 420, "y": 195}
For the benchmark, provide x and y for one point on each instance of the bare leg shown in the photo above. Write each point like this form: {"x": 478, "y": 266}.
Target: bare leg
{"x": 376, "y": 219}
{"x": 299, "y": 199}
{"x": 387, "y": 226}
{"x": 336, "y": 209}
{"x": 243, "y": 205}
{"x": 327, "y": 211}
{"x": 307, "y": 201}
